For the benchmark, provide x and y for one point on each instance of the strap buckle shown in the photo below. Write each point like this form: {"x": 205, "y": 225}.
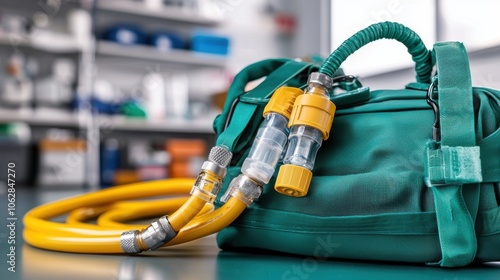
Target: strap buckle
{"x": 436, "y": 126}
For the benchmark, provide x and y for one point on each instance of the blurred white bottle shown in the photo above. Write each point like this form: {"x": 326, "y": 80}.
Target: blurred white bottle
{"x": 154, "y": 96}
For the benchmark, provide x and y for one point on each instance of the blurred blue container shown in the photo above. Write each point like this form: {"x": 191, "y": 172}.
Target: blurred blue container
{"x": 99, "y": 106}
{"x": 125, "y": 34}
{"x": 208, "y": 43}
{"x": 166, "y": 40}
{"x": 109, "y": 161}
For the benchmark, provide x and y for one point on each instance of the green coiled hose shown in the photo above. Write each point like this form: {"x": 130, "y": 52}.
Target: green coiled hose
{"x": 384, "y": 30}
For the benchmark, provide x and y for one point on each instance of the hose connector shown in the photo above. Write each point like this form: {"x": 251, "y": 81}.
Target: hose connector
{"x": 310, "y": 124}
{"x": 206, "y": 187}
{"x": 153, "y": 237}
{"x": 244, "y": 189}
{"x": 209, "y": 182}
{"x": 320, "y": 79}
{"x": 314, "y": 108}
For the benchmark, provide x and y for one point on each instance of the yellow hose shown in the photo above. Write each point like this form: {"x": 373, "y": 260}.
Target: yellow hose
{"x": 111, "y": 206}
{"x": 211, "y": 222}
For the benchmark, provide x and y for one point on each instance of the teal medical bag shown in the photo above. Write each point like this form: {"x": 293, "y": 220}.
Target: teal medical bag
{"x": 408, "y": 175}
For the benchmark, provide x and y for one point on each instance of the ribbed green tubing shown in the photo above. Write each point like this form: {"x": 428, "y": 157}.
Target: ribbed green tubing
{"x": 384, "y": 30}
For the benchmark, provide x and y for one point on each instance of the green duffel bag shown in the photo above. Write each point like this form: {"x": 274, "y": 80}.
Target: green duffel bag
{"x": 408, "y": 175}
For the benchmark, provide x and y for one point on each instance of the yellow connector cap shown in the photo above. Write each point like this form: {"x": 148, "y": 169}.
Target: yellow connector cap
{"x": 293, "y": 180}
{"x": 315, "y": 111}
{"x": 282, "y": 101}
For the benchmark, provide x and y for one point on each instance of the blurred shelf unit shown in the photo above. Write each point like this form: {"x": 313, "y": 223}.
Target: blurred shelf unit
{"x": 73, "y": 120}
{"x": 198, "y": 126}
{"x": 174, "y": 56}
{"x": 120, "y": 57}
{"x": 23, "y": 42}
{"x": 36, "y": 118}
{"x": 6, "y": 41}
{"x": 126, "y": 56}
{"x": 165, "y": 13}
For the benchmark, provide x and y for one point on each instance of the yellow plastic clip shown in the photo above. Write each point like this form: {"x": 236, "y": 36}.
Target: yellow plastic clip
{"x": 315, "y": 111}
{"x": 282, "y": 101}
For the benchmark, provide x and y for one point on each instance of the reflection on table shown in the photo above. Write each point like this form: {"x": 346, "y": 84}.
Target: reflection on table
{"x": 202, "y": 260}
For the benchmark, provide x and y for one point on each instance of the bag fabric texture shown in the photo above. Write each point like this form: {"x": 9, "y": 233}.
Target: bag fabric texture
{"x": 385, "y": 187}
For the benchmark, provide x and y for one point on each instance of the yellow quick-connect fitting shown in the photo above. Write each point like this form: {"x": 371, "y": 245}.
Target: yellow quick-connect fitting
{"x": 315, "y": 111}
{"x": 282, "y": 101}
{"x": 310, "y": 123}
{"x": 293, "y": 180}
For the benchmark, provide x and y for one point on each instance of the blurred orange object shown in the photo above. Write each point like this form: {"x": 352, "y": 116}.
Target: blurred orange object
{"x": 125, "y": 177}
{"x": 55, "y": 145}
{"x": 187, "y": 156}
{"x": 219, "y": 99}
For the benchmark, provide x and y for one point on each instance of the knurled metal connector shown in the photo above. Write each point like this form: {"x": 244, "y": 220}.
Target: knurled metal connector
{"x": 220, "y": 155}
{"x": 128, "y": 242}
{"x": 153, "y": 237}
{"x": 244, "y": 189}
{"x": 322, "y": 79}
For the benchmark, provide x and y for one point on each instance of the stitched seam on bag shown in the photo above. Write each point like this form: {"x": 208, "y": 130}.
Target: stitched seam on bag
{"x": 305, "y": 231}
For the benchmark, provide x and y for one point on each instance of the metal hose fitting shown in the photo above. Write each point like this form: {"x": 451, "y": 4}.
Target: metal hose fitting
{"x": 153, "y": 237}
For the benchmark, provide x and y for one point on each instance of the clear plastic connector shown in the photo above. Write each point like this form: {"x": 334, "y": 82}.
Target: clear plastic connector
{"x": 207, "y": 186}
{"x": 304, "y": 143}
{"x": 244, "y": 189}
{"x": 267, "y": 148}
{"x": 209, "y": 182}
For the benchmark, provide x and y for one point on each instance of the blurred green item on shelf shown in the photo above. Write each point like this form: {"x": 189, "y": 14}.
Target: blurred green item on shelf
{"x": 17, "y": 131}
{"x": 133, "y": 110}
{"x": 4, "y": 129}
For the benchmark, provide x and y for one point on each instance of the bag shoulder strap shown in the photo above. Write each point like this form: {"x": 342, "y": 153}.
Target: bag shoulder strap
{"x": 457, "y": 199}
{"x": 245, "y": 112}
{"x": 455, "y": 94}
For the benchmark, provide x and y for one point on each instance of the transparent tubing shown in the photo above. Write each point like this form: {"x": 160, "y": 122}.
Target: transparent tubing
{"x": 267, "y": 148}
{"x": 303, "y": 147}
{"x": 259, "y": 166}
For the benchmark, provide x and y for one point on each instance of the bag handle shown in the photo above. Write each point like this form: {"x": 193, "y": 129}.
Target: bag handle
{"x": 388, "y": 30}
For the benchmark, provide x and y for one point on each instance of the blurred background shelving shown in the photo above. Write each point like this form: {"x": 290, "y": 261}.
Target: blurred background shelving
{"x": 175, "y": 125}
{"x": 183, "y": 58}
{"x": 170, "y": 13}
{"x": 99, "y": 79}
{"x": 31, "y": 117}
